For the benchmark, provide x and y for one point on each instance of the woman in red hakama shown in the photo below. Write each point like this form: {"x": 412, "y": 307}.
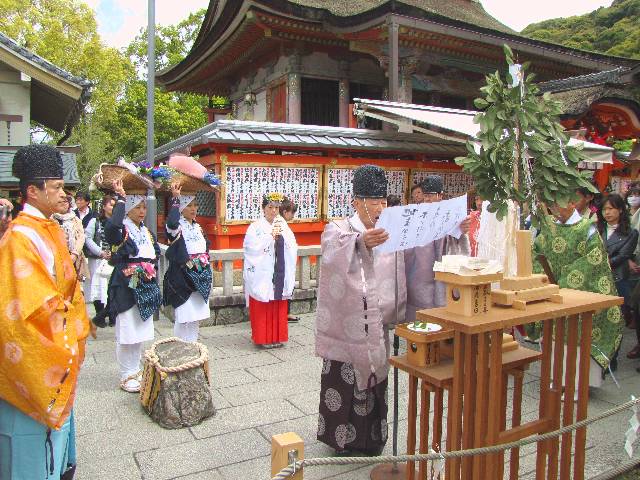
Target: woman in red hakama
{"x": 269, "y": 322}
{"x": 270, "y": 252}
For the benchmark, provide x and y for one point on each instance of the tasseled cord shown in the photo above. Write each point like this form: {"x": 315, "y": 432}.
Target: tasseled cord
{"x": 49, "y": 465}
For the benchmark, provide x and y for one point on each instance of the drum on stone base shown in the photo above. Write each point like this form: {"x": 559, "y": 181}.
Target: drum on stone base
{"x": 175, "y": 388}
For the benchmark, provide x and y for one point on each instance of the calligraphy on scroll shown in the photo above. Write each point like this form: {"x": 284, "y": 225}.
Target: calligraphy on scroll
{"x": 455, "y": 183}
{"x": 246, "y": 185}
{"x": 417, "y": 225}
{"x": 339, "y": 189}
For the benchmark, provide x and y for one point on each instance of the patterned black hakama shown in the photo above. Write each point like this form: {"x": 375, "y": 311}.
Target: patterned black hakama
{"x": 351, "y": 419}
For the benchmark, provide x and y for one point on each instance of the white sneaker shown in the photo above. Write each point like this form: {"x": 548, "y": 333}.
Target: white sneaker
{"x": 131, "y": 385}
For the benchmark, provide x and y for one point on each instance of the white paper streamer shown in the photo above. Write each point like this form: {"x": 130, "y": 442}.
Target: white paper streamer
{"x": 632, "y": 434}
{"x": 438, "y": 465}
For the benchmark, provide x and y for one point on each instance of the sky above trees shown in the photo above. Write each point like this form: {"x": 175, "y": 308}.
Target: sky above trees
{"x": 119, "y": 21}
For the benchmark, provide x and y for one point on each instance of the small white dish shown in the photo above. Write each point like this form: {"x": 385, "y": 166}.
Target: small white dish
{"x": 427, "y": 328}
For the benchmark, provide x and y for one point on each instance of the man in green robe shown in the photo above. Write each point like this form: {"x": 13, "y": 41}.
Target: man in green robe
{"x": 578, "y": 260}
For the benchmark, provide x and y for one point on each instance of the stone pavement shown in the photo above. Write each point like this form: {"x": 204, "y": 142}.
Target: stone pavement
{"x": 259, "y": 393}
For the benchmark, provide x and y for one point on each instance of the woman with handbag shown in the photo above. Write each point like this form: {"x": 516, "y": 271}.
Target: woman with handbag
{"x": 101, "y": 250}
{"x": 134, "y": 294}
{"x": 187, "y": 282}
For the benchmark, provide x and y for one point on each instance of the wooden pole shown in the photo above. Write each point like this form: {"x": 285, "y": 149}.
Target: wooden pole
{"x": 523, "y": 248}
{"x": 556, "y": 394}
{"x": 394, "y": 63}
{"x": 411, "y": 425}
{"x": 569, "y": 390}
{"x": 281, "y": 445}
{"x": 583, "y": 394}
{"x": 545, "y": 396}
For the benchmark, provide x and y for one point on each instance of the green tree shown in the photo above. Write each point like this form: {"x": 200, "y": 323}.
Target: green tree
{"x": 176, "y": 113}
{"x": 613, "y": 30}
{"x": 65, "y": 33}
{"x": 173, "y": 43}
{"x": 523, "y": 154}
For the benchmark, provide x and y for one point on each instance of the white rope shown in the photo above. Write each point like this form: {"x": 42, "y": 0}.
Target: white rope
{"x": 422, "y": 457}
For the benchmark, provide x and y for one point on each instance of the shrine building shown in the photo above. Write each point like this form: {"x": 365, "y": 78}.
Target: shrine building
{"x": 292, "y": 70}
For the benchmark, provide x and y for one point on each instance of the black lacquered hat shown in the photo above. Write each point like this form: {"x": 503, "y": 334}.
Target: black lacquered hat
{"x": 36, "y": 163}
{"x": 432, "y": 184}
{"x": 369, "y": 181}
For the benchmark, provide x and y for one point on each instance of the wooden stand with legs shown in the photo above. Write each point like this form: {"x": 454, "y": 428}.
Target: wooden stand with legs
{"x": 480, "y": 368}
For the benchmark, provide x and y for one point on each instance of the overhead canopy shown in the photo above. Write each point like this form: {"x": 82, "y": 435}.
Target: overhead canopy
{"x": 452, "y": 124}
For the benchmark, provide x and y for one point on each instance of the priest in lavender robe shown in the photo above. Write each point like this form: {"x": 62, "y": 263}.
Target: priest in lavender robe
{"x": 360, "y": 295}
{"x": 423, "y": 291}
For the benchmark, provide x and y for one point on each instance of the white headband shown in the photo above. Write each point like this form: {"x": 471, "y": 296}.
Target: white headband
{"x": 185, "y": 200}
{"x": 133, "y": 201}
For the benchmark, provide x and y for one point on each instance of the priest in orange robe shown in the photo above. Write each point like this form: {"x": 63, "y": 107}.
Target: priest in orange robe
{"x": 43, "y": 328}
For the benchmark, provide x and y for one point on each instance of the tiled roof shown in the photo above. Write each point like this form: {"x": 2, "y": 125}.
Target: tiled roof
{"x": 580, "y": 100}
{"x": 51, "y": 107}
{"x": 46, "y": 64}
{"x": 583, "y": 81}
{"x": 263, "y": 134}
{"x": 466, "y": 19}
{"x": 69, "y": 166}
{"x": 467, "y": 11}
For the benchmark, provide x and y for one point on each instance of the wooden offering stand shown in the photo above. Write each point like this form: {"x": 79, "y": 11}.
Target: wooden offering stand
{"x": 471, "y": 359}
{"x": 479, "y": 370}
{"x": 429, "y": 362}
{"x": 526, "y": 287}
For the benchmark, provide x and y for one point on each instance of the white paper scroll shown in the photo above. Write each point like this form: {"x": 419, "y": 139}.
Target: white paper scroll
{"x": 417, "y": 225}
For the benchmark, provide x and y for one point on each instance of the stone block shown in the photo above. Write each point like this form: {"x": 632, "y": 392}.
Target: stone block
{"x": 217, "y": 278}
{"x": 252, "y": 415}
{"x": 257, "y": 359}
{"x": 229, "y": 315}
{"x": 227, "y": 300}
{"x": 306, "y": 427}
{"x": 313, "y": 306}
{"x": 200, "y": 455}
{"x": 211, "y": 321}
{"x": 254, "y": 468}
{"x": 304, "y": 294}
{"x": 298, "y": 306}
{"x": 123, "y": 466}
{"x": 231, "y": 378}
{"x": 168, "y": 312}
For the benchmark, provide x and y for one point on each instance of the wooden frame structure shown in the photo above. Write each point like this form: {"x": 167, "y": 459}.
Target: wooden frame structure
{"x": 480, "y": 366}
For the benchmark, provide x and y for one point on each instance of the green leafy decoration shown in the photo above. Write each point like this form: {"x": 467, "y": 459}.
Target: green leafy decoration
{"x": 522, "y": 152}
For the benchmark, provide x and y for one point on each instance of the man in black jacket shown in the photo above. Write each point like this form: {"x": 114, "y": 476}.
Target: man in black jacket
{"x": 83, "y": 211}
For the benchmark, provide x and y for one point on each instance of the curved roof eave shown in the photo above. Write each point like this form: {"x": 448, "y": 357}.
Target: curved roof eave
{"x": 225, "y": 15}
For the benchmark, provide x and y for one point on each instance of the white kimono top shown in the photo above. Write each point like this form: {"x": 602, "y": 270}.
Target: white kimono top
{"x": 260, "y": 257}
